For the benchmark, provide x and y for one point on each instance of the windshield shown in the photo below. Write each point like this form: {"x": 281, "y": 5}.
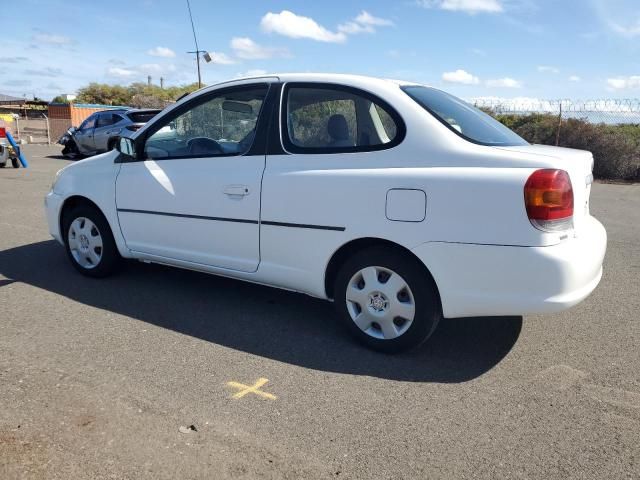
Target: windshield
{"x": 464, "y": 119}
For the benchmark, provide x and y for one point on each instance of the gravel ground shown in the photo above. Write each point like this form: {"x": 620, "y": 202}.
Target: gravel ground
{"x": 97, "y": 377}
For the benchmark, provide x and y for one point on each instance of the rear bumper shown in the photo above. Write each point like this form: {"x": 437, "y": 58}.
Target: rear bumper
{"x": 485, "y": 280}
{"x": 52, "y": 204}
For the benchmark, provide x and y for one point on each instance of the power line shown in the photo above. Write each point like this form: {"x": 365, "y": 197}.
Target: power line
{"x": 195, "y": 40}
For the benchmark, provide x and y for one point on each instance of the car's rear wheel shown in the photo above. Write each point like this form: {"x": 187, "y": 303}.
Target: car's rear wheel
{"x": 89, "y": 242}
{"x": 387, "y": 299}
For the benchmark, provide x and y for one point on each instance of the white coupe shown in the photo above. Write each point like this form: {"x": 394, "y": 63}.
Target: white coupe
{"x": 399, "y": 202}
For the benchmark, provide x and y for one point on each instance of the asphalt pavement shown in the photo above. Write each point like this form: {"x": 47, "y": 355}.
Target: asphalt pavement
{"x": 162, "y": 373}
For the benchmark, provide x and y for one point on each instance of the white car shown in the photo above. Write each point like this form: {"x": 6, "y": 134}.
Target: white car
{"x": 399, "y": 202}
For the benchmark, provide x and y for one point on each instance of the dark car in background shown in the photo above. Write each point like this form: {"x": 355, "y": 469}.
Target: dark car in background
{"x": 99, "y": 132}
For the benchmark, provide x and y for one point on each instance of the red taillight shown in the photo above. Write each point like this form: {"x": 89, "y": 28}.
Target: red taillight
{"x": 548, "y": 198}
{"x": 3, "y": 132}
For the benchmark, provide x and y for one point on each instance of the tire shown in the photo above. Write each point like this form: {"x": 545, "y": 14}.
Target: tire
{"x": 2, "y": 165}
{"x": 387, "y": 300}
{"x": 89, "y": 242}
{"x": 71, "y": 149}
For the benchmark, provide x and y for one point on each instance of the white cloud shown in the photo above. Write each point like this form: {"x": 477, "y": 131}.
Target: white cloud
{"x": 479, "y": 52}
{"x": 621, "y": 17}
{"x": 121, "y": 72}
{"x": 575, "y": 78}
{"x": 467, "y": 6}
{"x": 504, "y": 83}
{"x": 140, "y": 71}
{"x": 296, "y": 26}
{"x": 221, "y": 58}
{"x": 51, "y": 39}
{"x": 548, "y": 69}
{"x": 156, "y": 68}
{"x": 161, "y": 52}
{"x": 247, "y": 49}
{"x": 13, "y": 59}
{"x": 365, "y": 18}
{"x": 624, "y": 83}
{"x": 460, "y": 76}
{"x": 364, "y": 23}
{"x": 629, "y": 31}
{"x": 257, "y": 72}
{"x": 44, "y": 72}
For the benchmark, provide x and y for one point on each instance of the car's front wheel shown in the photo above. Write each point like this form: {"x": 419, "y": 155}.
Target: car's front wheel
{"x": 387, "y": 299}
{"x": 89, "y": 242}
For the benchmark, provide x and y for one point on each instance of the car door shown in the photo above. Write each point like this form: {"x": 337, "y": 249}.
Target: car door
{"x": 102, "y": 132}
{"x": 194, "y": 194}
{"x": 84, "y": 135}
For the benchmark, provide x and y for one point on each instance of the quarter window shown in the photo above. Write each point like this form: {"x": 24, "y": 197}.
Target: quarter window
{"x": 332, "y": 119}
{"x": 224, "y": 124}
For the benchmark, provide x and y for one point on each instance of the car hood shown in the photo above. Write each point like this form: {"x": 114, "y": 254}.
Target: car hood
{"x": 97, "y": 161}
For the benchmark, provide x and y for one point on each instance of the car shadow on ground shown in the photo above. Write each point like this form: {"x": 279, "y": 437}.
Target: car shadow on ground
{"x": 264, "y": 321}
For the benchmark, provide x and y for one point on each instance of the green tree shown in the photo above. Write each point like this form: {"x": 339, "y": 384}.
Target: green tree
{"x": 59, "y": 99}
{"x": 134, "y": 95}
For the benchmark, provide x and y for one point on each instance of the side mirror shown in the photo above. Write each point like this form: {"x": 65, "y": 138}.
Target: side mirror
{"x": 126, "y": 147}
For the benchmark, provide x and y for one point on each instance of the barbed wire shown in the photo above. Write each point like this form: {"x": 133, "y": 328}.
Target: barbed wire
{"x": 610, "y": 111}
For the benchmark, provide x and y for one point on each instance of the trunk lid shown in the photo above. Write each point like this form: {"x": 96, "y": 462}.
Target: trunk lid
{"x": 577, "y": 163}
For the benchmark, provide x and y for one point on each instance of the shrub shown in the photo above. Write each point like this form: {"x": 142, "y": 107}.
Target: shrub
{"x": 615, "y": 148}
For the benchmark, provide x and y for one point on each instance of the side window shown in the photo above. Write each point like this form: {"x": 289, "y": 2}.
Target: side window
{"x": 115, "y": 118}
{"x": 333, "y": 119}
{"x": 223, "y": 124}
{"x": 88, "y": 123}
{"x": 104, "y": 120}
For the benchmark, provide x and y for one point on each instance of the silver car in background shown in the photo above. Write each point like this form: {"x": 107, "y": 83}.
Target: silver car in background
{"x": 99, "y": 132}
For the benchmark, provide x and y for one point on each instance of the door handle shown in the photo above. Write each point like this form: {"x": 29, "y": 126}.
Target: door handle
{"x": 239, "y": 190}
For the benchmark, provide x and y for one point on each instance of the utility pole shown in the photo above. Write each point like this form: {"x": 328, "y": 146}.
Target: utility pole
{"x": 195, "y": 40}
{"x": 149, "y": 80}
{"x": 161, "y": 83}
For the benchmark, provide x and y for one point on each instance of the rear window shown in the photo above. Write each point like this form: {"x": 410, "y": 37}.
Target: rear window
{"x": 142, "y": 117}
{"x": 464, "y": 119}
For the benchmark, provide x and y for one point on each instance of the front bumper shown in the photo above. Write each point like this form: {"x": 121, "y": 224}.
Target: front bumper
{"x": 486, "y": 280}
{"x": 52, "y": 204}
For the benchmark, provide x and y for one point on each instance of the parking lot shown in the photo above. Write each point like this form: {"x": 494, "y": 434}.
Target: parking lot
{"x": 105, "y": 378}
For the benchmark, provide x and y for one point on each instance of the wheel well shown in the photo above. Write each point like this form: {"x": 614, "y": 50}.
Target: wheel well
{"x": 348, "y": 249}
{"x": 71, "y": 203}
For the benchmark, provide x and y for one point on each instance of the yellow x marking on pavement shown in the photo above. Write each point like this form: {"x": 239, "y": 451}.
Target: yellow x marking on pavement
{"x": 255, "y": 388}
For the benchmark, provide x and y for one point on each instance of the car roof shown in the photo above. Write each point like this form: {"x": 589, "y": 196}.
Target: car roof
{"x": 340, "y": 78}
{"x": 143, "y": 110}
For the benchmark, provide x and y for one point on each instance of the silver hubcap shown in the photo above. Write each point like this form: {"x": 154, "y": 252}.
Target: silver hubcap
{"x": 380, "y": 302}
{"x": 85, "y": 242}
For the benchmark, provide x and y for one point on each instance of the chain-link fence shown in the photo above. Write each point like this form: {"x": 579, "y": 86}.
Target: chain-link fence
{"x": 607, "y": 111}
{"x": 610, "y": 129}
{"x": 35, "y": 129}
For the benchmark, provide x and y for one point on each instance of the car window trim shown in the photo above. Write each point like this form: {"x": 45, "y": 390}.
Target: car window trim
{"x": 290, "y": 147}
{"x": 193, "y": 103}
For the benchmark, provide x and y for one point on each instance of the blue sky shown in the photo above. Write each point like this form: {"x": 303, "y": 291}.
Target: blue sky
{"x": 549, "y": 49}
